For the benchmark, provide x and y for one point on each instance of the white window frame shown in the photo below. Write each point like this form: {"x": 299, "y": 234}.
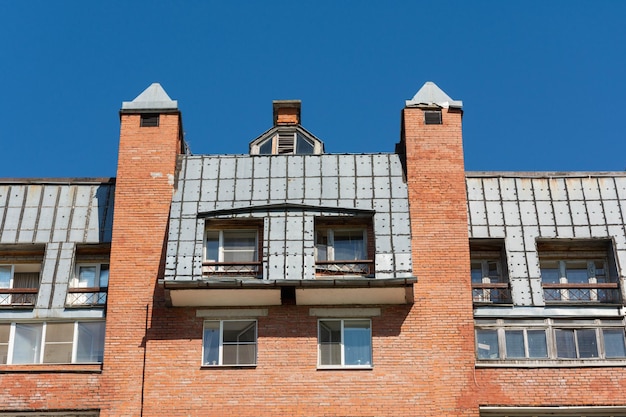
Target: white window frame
{"x": 592, "y": 277}
{"x": 550, "y": 326}
{"x": 75, "y": 282}
{"x": 7, "y": 299}
{"x": 42, "y": 344}
{"x": 220, "y": 360}
{"x": 343, "y": 364}
{"x": 330, "y": 244}
{"x": 220, "y": 257}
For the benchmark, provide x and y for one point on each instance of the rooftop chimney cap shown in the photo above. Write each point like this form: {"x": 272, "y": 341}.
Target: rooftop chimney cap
{"x": 287, "y": 111}
{"x": 152, "y": 98}
{"x": 430, "y": 94}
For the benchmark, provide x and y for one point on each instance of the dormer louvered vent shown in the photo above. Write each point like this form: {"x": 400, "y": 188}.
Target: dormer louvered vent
{"x": 432, "y": 117}
{"x": 285, "y": 142}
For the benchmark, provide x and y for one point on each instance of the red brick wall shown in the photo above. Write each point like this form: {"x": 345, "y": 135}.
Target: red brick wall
{"x": 144, "y": 187}
{"x": 443, "y": 324}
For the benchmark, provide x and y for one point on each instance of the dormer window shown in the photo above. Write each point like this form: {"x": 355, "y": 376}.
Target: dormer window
{"x": 285, "y": 143}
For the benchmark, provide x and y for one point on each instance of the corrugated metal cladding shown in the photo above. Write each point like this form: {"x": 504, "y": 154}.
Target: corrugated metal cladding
{"x": 312, "y": 185}
{"x": 59, "y": 216}
{"x": 524, "y": 209}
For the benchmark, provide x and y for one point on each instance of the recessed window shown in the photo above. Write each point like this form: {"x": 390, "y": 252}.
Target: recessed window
{"x": 550, "y": 339}
{"x": 490, "y": 283}
{"x": 345, "y": 343}
{"x": 578, "y": 272}
{"x": 229, "y": 343}
{"x": 149, "y": 120}
{"x": 19, "y": 284}
{"x": 89, "y": 285}
{"x": 342, "y": 249}
{"x": 231, "y": 251}
{"x": 51, "y": 342}
{"x": 432, "y": 117}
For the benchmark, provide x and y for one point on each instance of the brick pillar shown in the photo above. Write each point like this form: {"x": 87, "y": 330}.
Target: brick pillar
{"x": 144, "y": 186}
{"x": 440, "y": 247}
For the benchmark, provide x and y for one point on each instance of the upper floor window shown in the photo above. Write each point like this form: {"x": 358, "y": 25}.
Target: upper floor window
{"x": 90, "y": 282}
{"x": 232, "y": 251}
{"x": 20, "y": 268}
{"x": 490, "y": 283}
{"x": 229, "y": 342}
{"x": 550, "y": 339}
{"x": 51, "y": 342}
{"x": 345, "y": 343}
{"x": 287, "y": 142}
{"x": 578, "y": 271}
{"x": 342, "y": 249}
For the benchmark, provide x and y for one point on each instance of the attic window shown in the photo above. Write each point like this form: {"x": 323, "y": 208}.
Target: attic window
{"x": 432, "y": 117}
{"x": 150, "y": 120}
{"x": 287, "y": 143}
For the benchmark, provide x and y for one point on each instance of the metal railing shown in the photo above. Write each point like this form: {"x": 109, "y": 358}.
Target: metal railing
{"x": 18, "y": 297}
{"x": 86, "y": 297}
{"x": 356, "y": 267}
{"x": 581, "y": 293}
{"x": 211, "y": 269}
{"x": 495, "y": 293}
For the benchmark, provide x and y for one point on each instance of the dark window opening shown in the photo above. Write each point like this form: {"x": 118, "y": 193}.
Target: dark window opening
{"x": 149, "y": 120}
{"x": 432, "y": 117}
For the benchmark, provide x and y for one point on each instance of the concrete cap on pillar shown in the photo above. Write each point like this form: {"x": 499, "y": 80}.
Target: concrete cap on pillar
{"x": 430, "y": 94}
{"x": 153, "y": 98}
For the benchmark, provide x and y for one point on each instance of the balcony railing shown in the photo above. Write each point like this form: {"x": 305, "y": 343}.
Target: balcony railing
{"x": 581, "y": 293}
{"x": 86, "y": 297}
{"x": 226, "y": 269}
{"x": 357, "y": 267}
{"x": 18, "y": 297}
{"x": 495, "y": 293}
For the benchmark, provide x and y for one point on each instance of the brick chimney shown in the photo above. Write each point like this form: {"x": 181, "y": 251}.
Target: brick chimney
{"x": 287, "y": 112}
{"x": 431, "y": 146}
{"x": 150, "y": 141}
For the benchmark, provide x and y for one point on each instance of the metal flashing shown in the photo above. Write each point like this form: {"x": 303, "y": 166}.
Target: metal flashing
{"x": 152, "y": 98}
{"x": 430, "y": 95}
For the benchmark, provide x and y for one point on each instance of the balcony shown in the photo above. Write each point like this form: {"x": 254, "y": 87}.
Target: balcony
{"x": 232, "y": 269}
{"x": 86, "y": 297}
{"x": 491, "y": 293}
{"x": 607, "y": 293}
{"x": 344, "y": 267}
{"x": 18, "y": 297}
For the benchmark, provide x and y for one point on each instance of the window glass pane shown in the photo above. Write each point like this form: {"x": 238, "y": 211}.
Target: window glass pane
{"x": 357, "y": 341}
{"x": 303, "y": 145}
{"x": 537, "y": 346}
{"x": 550, "y": 272}
{"x": 104, "y": 275}
{"x": 614, "y": 343}
{"x": 90, "y": 346}
{"x": 494, "y": 271}
{"x": 477, "y": 272}
{"x": 5, "y": 330}
{"x": 5, "y": 276}
{"x": 576, "y": 272}
{"x": 212, "y": 246}
{"x": 565, "y": 346}
{"x": 349, "y": 245}
{"x": 266, "y": 147}
{"x": 239, "y": 354}
{"x": 86, "y": 276}
{"x": 211, "y": 343}
{"x": 27, "y": 344}
{"x": 321, "y": 245}
{"x": 515, "y": 344}
{"x": 239, "y": 331}
{"x": 59, "y": 341}
{"x": 239, "y": 245}
{"x": 487, "y": 344}
{"x": 587, "y": 343}
{"x": 600, "y": 273}
{"x": 330, "y": 342}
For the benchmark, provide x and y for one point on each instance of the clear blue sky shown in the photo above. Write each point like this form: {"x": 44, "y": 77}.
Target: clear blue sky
{"x": 543, "y": 82}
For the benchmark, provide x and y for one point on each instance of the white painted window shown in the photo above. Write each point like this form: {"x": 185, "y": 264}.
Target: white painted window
{"x": 51, "y": 342}
{"x": 345, "y": 343}
{"x": 91, "y": 276}
{"x": 229, "y": 343}
{"x": 231, "y": 251}
{"x": 19, "y": 276}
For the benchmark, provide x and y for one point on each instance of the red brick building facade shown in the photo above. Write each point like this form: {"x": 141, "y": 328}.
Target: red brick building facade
{"x": 291, "y": 282}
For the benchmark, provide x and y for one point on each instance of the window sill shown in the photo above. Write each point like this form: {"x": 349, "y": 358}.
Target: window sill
{"x": 551, "y": 363}
{"x": 253, "y": 366}
{"x": 79, "y": 368}
{"x": 345, "y": 367}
